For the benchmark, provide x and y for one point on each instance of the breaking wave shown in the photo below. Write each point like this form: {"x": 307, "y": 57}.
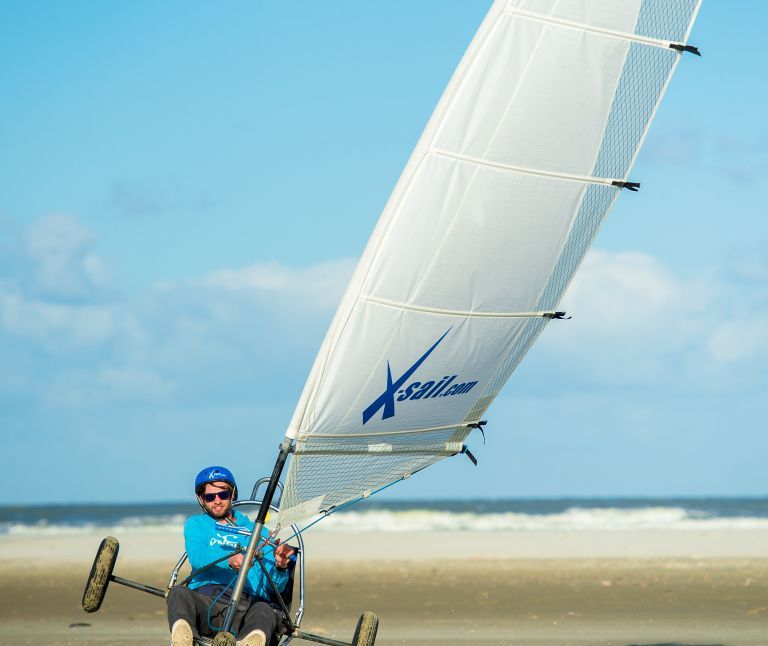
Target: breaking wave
{"x": 382, "y": 516}
{"x": 574, "y": 519}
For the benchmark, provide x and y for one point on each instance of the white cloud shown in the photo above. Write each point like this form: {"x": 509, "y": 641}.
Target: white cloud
{"x": 739, "y": 339}
{"x": 56, "y": 326}
{"x": 637, "y": 322}
{"x": 62, "y": 262}
{"x": 110, "y": 384}
{"x": 625, "y": 288}
{"x": 79, "y": 342}
{"x": 317, "y": 286}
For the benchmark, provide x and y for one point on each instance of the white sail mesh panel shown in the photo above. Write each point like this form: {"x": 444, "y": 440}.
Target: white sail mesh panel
{"x": 645, "y": 74}
{"x": 326, "y": 472}
{"x": 666, "y": 19}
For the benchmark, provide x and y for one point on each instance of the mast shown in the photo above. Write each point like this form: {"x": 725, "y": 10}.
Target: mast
{"x": 282, "y": 456}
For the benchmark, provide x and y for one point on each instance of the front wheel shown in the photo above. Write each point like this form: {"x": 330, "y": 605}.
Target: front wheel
{"x": 224, "y": 639}
{"x": 367, "y": 627}
{"x": 101, "y": 570}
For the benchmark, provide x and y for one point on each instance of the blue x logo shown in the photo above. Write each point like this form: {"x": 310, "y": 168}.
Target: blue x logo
{"x": 387, "y": 398}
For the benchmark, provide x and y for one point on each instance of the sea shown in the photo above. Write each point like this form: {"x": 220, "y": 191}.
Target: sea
{"x": 523, "y": 515}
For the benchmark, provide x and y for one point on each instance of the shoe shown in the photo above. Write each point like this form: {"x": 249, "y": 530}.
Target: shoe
{"x": 254, "y": 638}
{"x": 181, "y": 633}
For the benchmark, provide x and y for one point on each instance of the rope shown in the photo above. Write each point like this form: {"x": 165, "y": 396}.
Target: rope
{"x": 213, "y": 603}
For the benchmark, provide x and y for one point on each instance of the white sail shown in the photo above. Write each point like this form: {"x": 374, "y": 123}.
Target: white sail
{"x": 525, "y": 154}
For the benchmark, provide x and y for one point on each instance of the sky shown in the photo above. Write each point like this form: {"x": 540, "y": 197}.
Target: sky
{"x": 185, "y": 188}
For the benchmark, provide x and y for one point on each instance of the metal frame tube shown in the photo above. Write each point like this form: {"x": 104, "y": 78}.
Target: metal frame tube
{"x": 300, "y": 565}
{"x": 319, "y": 639}
{"x": 139, "y": 586}
{"x": 285, "y": 449}
{"x": 276, "y": 592}
{"x": 175, "y": 573}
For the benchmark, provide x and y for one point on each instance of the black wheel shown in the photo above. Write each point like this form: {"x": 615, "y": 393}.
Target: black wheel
{"x": 367, "y": 627}
{"x": 224, "y": 639}
{"x": 98, "y": 579}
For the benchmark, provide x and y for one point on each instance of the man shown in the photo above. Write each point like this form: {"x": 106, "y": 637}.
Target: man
{"x": 200, "y": 609}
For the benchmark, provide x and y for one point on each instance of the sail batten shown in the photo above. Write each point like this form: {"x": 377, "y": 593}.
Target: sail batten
{"x": 654, "y": 42}
{"x": 410, "y": 431}
{"x": 519, "y": 169}
{"x": 459, "y": 313}
{"x": 447, "y": 449}
{"x": 521, "y": 161}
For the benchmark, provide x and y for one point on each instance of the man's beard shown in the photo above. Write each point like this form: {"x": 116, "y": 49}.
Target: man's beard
{"x": 218, "y": 516}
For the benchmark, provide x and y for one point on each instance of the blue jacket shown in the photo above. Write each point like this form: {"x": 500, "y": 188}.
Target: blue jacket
{"x": 205, "y": 543}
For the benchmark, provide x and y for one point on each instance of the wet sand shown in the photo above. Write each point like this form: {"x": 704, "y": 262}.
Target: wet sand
{"x": 485, "y": 595}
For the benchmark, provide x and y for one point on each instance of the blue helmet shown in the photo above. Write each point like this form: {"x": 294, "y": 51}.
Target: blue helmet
{"x": 215, "y": 474}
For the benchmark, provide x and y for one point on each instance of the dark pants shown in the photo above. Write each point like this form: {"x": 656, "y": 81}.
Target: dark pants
{"x": 194, "y": 606}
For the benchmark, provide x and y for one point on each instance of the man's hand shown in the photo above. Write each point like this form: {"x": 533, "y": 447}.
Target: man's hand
{"x": 236, "y": 561}
{"x": 283, "y": 554}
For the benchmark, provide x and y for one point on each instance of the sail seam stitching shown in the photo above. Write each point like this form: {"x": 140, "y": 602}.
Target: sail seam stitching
{"x": 584, "y": 179}
{"x": 620, "y": 35}
{"x": 436, "y": 310}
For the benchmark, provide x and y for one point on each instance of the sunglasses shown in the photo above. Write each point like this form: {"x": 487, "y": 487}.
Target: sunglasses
{"x": 223, "y": 495}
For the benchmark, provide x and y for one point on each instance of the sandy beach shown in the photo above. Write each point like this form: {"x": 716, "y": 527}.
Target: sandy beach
{"x": 640, "y": 588}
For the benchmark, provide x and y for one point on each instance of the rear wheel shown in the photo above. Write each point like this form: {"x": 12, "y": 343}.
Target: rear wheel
{"x": 367, "y": 627}
{"x": 98, "y": 579}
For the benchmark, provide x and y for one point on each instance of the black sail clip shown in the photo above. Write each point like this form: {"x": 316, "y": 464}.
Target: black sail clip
{"x": 679, "y": 47}
{"x": 479, "y": 426}
{"x": 630, "y": 186}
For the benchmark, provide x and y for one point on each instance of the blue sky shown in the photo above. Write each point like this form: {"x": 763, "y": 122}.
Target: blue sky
{"x": 185, "y": 187}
